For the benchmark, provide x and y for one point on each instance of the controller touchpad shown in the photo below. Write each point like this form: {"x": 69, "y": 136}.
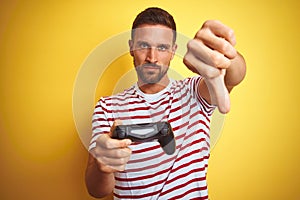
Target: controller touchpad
{"x": 142, "y": 131}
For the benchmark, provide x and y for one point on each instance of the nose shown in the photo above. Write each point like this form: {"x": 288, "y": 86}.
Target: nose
{"x": 151, "y": 55}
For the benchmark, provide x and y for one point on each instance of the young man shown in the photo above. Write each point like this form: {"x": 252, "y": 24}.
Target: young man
{"x": 142, "y": 170}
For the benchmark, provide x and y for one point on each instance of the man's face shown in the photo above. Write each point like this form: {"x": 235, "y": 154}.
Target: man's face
{"x": 152, "y": 49}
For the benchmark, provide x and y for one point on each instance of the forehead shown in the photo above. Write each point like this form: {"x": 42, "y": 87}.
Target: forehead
{"x": 157, "y": 34}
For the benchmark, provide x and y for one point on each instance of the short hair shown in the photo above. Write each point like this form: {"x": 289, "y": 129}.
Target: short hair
{"x": 154, "y": 16}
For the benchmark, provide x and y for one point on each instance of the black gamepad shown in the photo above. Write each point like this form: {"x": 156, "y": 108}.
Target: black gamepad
{"x": 160, "y": 131}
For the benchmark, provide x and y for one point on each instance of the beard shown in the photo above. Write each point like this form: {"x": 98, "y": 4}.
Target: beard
{"x": 152, "y": 76}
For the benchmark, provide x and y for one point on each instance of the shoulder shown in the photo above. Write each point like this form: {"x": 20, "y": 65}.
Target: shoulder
{"x": 127, "y": 93}
{"x": 187, "y": 82}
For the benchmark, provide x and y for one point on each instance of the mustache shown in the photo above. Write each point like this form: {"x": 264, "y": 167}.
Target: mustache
{"x": 150, "y": 65}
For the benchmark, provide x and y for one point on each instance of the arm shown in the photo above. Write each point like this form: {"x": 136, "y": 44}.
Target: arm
{"x": 212, "y": 54}
{"x": 236, "y": 72}
{"x": 99, "y": 183}
{"x": 109, "y": 156}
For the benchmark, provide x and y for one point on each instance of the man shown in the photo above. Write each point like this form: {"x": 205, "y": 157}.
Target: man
{"x": 142, "y": 170}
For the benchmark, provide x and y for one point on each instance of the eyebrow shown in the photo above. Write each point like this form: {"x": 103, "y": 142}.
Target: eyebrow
{"x": 160, "y": 44}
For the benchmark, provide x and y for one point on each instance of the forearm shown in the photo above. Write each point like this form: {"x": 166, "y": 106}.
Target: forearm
{"x": 236, "y": 72}
{"x": 99, "y": 184}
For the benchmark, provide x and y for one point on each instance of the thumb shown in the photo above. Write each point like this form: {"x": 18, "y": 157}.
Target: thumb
{"x": 120, "y": 143}
{"x": 219, "y": 92}
{"x": 115, "y": 124}
{"x": 222, "y": 97}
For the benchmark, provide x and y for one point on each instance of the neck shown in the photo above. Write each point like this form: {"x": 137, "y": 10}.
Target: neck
{"x": 152, "y": 88}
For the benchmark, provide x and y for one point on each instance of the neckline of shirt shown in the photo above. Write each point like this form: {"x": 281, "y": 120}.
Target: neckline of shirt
{"x": 154, "y": 96}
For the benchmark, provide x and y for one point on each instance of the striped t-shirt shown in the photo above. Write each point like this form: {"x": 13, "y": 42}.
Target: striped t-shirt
{"x": 150, "y": 173}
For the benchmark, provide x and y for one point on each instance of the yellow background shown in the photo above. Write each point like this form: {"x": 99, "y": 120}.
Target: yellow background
{"x": 44, "y": 43}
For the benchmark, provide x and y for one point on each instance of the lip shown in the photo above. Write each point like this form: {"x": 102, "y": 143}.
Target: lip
{"x": 151, "y": 67}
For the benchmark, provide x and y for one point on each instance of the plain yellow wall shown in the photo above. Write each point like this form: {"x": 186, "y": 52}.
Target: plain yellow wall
{"x": 44, "y": 43}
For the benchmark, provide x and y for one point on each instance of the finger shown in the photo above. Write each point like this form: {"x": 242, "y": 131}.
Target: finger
{"x": 207, "y": 55}
{"x": 221, "y": 30}
{"x": 117, "y": 168}
{"x": 105, "y": 141}
{"x": 199, "y": 67}
{"x": 114, "y": 153}
{"x": 216, "y": 43}
{"x": 111, "y": 165}
{"x": 114, "y": 161}
{"x": 110, "y": 169}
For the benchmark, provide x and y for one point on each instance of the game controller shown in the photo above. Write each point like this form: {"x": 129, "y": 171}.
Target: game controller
{"x": 159, "y": 131}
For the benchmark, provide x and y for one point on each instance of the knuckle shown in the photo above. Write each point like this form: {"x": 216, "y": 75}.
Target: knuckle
{"x": 225, "y": 47}
{"x": 210, "y": 22}
{"x": 123, "y": 153}
{"x": 101, "y": 160}
{"x": 188, "y": 63}
{"x": 109, "y": 144}
{"x": 231, "y": 33}
{"x": 129, "y": 151}
{"x": 202, "y": 33}
{"x": 186, "y": 59}
{"x": 118, "y": 154}
{"x": 191, "y": 44}
{"x": 122, "y": 161}
{"x": 102, "y": 141}
{"x": 216, "y": 59}
{"x": 97, "y": 151}
{"x": 219, "y": 60}
{"x": 121, "y": 168}
{"x": 227, "y": 63}
{"x": 207, "y": 23}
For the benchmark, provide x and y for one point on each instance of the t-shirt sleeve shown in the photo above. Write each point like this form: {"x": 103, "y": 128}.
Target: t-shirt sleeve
{"x": 100, "y": 122}
{"x": 204, "y": 105}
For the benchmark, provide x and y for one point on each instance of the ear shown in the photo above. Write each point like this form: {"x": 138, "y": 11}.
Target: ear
{"x": 174, "y": 48}
{"x": 130, "y": 43}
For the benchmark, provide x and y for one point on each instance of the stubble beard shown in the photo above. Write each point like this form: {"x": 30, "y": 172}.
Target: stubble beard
{"x": 150, "y": 77}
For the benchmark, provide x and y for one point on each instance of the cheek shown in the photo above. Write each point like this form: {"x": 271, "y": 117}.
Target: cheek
{"x": 166, "y": 58}
{"x": 138, "y": 57}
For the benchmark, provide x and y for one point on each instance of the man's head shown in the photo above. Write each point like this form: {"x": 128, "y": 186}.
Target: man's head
{"x": 154, "y": 16}
{"x": 152, "y": 45}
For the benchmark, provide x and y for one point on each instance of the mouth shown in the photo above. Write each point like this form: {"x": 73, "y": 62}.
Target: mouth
{"x": 151, "y": 66}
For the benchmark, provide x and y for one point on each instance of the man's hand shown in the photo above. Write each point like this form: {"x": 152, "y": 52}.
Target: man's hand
{"x": 111, "y": 154}
{"x": 211, "y": 50}
{"x": 210, "y": 54}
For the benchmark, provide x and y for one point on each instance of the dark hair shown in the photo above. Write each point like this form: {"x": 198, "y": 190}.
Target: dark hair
{"x": 154, "y": 16}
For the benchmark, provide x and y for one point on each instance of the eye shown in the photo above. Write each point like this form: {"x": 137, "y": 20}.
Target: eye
{"x": 144, "y": 45}
{"x": 163, "y": 48}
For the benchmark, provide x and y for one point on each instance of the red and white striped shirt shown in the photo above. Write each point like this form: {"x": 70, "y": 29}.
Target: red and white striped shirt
{"x": 150, "y": 173}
